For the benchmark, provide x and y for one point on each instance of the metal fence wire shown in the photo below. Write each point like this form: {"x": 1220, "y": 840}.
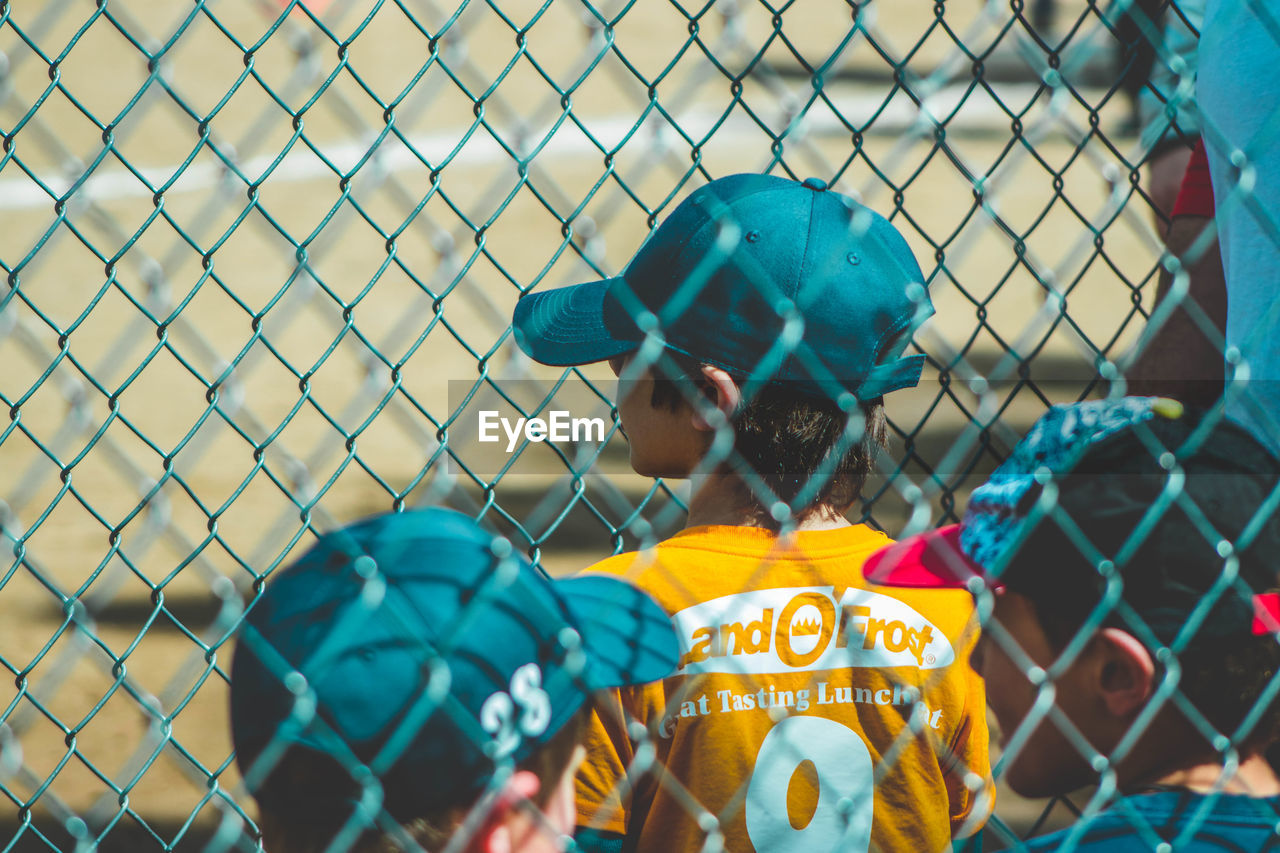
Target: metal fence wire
{"x": 260, "y": 260}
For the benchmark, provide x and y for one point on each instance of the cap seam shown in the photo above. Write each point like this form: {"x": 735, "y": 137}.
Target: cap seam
{"x": 791, "y": 364}
{"x": 709, "y": 217}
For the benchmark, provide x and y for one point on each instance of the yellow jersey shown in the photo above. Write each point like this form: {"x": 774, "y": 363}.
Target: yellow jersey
{"x": 810, "y": 712}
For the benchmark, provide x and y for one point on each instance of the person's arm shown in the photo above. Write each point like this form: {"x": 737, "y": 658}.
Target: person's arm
{"x": 1167, "y": 114}
{"x": 1182, "y": 360}
{"x": 1165, "y": 179}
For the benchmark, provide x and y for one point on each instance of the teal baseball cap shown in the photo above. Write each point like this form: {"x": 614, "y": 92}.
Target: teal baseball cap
{"x": 761, "y": 275}
{"x": 419, "y": 648}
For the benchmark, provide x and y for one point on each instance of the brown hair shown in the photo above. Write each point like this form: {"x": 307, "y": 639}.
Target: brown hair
{"x": 784, "y": 438}
{"x": 307, "y": 785}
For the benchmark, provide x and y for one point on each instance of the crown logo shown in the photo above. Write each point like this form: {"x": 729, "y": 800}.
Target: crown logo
{"x": 807, "y": 628}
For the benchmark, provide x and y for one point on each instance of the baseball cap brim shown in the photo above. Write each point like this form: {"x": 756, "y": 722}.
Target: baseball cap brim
{"x": 932, "y": 560}
{"x": 566, "y": 326}
{"x": 626, "y": 636}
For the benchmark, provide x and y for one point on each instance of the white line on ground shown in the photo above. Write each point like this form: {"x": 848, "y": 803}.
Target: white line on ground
{"x": 960, "y": 108}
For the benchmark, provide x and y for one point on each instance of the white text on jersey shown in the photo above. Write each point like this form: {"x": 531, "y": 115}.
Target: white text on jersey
{"x": 807, "y": 628}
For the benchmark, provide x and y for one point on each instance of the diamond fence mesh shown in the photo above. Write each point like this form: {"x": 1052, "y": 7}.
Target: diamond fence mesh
{"x": 261, "y": 261}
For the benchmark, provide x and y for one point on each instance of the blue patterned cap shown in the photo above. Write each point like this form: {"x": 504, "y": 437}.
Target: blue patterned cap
{"x": 1052, "y": 446}
{"x": 1141, "y": 494}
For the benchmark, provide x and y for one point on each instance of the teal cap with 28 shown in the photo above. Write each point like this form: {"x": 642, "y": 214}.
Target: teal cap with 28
{"x": 421, "y": 648}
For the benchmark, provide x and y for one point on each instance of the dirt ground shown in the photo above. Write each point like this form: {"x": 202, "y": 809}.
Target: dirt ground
{"x": 247, "y": 277}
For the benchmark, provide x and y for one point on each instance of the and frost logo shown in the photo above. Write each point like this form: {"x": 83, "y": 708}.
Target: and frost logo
{"x": 807, "y": 628}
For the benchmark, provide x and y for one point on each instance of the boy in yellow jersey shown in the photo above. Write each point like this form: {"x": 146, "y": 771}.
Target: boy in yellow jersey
{"x": 754, "y": 336}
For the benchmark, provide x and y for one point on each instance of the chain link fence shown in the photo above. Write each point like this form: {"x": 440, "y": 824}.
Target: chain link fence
{"x": 260, "y": 262}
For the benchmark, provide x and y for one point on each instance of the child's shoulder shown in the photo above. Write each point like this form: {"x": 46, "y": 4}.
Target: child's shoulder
{"x": 629, "y": 563}
{"x": 619, "y": 564}
{"x": 659, "y": 564}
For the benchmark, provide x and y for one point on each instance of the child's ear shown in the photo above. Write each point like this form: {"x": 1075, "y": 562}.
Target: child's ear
{"x": 721, "y": 391}
{"x": 1127, "y": 673}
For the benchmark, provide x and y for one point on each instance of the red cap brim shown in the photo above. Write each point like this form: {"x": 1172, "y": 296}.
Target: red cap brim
{"x": 1266, "y": 613}
{"x": 932, "y": 560}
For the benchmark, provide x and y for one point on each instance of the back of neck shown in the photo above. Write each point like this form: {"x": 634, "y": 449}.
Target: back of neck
{"x": 723, "y": 499}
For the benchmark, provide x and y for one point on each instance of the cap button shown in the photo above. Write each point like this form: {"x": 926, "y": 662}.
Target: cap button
{"x": 815, "y": 183}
